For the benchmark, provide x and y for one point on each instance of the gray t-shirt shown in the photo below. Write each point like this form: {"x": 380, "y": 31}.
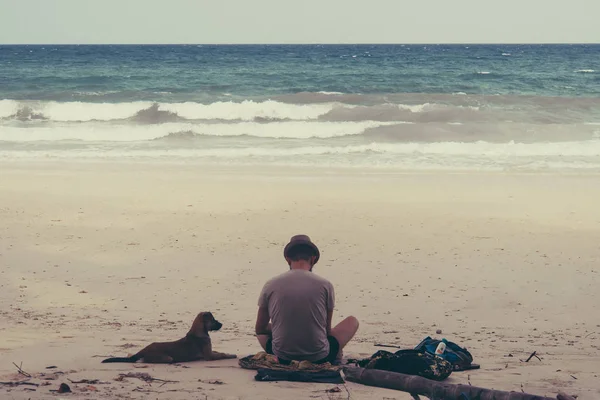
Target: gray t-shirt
{"x": 298, "y": 302}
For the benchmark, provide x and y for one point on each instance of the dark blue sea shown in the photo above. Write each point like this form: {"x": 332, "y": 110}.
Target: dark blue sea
{"x": 498, "y": 107}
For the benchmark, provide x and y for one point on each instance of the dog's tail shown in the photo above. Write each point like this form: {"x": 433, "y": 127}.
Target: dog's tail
{"x": 131, "y": 359}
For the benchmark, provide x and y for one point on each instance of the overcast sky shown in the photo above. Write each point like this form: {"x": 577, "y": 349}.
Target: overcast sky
{"x": 301, "y": 21}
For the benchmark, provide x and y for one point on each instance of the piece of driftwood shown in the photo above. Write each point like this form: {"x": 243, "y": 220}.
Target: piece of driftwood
{"x": 90, "y": 382}
{"x": 416, "y": 385}
{"x": 21, "y": 370}
{"x": 564, "y": 396}
{"x": 387, "y": 345}
{"x": 534, "y": 354}
{"x": 143, "y": 376}
{"x": 17, "y": 383}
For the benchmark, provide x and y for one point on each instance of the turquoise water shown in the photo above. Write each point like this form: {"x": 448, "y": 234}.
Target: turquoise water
{"x": 206, "y": 73}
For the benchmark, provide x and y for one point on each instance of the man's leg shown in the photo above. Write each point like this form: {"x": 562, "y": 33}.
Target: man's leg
{"x": 344, "y": 332}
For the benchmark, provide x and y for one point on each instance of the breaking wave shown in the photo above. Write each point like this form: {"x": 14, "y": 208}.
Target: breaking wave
{"x": 396, "y": 129}
{"x": 134, "y": 133}
{"x": 265, "y": 111}
{"x": 166, "y": 112}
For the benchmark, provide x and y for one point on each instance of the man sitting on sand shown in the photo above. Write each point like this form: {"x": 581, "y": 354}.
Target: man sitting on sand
{"x": 299, "y": 306}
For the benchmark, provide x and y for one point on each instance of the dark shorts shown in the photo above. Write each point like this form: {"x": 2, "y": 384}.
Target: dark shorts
{"x": 334, "y": 348}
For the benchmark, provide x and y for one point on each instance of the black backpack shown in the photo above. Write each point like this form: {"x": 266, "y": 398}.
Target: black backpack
{"x": 459, "y": 357}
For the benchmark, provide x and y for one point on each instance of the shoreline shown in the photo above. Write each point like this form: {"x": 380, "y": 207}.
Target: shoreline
{"x": 277, "y": 169}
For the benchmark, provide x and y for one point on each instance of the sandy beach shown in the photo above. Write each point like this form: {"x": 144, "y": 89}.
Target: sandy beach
{"x": 100, "y": 259}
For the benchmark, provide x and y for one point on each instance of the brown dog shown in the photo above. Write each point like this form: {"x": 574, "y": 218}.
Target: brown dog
{"x": 196, "y": 345}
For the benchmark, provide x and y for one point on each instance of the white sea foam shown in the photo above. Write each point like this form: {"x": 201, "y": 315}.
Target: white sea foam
{"x": 417, "y": 108}
{"x": 78, "y": 111}
{"x": 228, "y": 110}
{"x": 426, "y": 107}
{"x": 96, "y": 93}
{"x": 483, "y": 72}
{"x": 248, "y": 110}
{"x": 477, "y": 149}
{"x": 132, "y": 133}
{"x": 442, "y": 155}
{"x": 8, "y": 108}
{"x": 510, "y": 149}
{"x": 586, "y": 71}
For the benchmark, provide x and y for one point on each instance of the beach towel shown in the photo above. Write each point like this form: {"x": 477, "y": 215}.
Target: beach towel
{"x": 269, "y": 361}
{"x": 269, "y": 369}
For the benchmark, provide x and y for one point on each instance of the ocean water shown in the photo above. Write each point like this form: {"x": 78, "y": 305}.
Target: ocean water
{"x": 414, "y": 107}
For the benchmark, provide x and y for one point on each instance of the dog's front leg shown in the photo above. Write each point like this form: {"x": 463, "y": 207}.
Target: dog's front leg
{"x": 157, "y": 359}
{"x": 222, "y": 356}
{"x": 209, "y": 355}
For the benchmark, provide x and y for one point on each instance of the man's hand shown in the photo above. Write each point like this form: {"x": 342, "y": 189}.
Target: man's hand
{"x": 263, "y": 327}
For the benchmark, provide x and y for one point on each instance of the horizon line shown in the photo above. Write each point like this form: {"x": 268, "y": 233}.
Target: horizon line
{"x": 305, "y": 44}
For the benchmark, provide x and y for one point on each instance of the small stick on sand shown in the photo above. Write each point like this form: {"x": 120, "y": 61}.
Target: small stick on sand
{"x": 17, "y": 383}
{"x": 143, "y": 390}
{"x": 143, "y": 376}
{"x": 89, "y": 381}
{"x": 347, "y": 391}
{"x": 387, "y": 345}
{"x": 531, "y": 356}
{"x": 21, "y": 370}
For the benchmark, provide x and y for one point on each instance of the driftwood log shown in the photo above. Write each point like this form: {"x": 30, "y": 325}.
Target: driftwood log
{"x": 564, "y": 396}
{"x": 416, "y": 385}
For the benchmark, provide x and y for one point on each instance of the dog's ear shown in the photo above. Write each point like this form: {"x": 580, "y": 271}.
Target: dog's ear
{"x": 199, "y": 324}
{"x": 208, "y": 317}
{"x": 200, "y": 318}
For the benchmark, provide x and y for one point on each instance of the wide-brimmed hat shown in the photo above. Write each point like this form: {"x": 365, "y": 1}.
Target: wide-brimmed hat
{"x": 301, "y": 240}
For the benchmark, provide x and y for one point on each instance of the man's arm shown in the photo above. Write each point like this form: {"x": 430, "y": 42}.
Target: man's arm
{"x": 330, "y": 307}
{"x": 263, "y": 327}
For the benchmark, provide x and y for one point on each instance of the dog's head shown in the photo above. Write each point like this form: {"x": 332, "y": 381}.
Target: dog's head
{"x": 205, "y": 322}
